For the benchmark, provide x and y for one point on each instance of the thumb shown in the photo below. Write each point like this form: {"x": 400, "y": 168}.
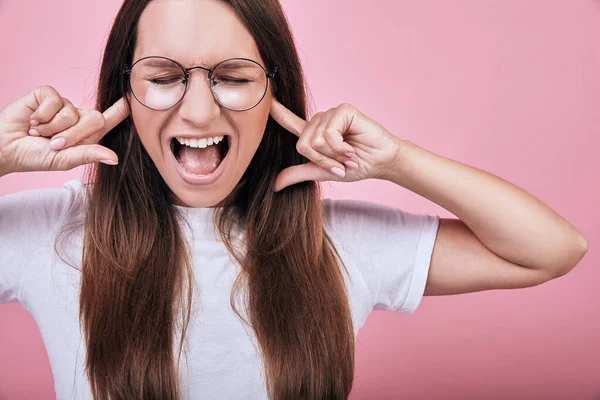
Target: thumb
{"x": 301, "y": 173}
{"x": 75, "y": 156}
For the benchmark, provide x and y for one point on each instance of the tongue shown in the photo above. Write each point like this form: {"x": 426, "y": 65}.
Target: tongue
{"x": 200, "y": 161}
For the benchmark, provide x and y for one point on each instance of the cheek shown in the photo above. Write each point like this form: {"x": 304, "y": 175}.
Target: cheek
{"x": 145, "y": 121}
{"x": 252, "y": 127}
{"x": 259, "y": 116}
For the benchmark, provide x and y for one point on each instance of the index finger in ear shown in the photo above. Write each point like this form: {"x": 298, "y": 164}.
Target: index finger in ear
{"x": 115, "y": 114}
{"x": 286, "y": 118}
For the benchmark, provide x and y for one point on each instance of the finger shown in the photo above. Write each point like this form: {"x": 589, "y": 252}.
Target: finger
{"x": 308, "y": 144}
{"x": 335, "y": 141}
{"x": 315, "y": 136}
{"x": 329, "y": 141}
{"x": 115, "y": 114}
{"x": 286, "y": 118}
{"x": 90, "y": 123}
{"x": 83, "y": 154}
{"x": 301, "y": 173}
{"x": 46, "y": 103}
{"x": 350, "y": 121}
{"x": 342, "y": 154}
{"x": 324, "y": 162}
{"x": 65, "y": 118}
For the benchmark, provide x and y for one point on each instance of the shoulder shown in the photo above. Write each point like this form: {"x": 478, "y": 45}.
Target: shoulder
{"x": 29, "y": 223}
{"x": 344, "y": 214}
{"x": 40, "y": 209}
{"x": 372, "y": 231}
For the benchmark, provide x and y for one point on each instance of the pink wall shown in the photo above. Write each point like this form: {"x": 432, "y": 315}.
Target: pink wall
{"x": 509, "y": 87}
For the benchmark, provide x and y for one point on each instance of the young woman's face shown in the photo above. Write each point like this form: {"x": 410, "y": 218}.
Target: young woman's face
{"x": 198, "y": 33}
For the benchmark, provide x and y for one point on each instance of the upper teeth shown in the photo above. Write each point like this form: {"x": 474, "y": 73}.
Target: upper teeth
{"x": 201, "y": 143}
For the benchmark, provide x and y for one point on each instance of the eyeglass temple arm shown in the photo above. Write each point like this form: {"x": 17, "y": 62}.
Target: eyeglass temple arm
{"x": 272, "y": 74}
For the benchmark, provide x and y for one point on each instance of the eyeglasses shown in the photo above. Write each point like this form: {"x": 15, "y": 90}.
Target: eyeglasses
{"x": 159, "y": 83}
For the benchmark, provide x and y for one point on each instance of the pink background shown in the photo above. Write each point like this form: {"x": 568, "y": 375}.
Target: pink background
{"x": 511, "y": 87}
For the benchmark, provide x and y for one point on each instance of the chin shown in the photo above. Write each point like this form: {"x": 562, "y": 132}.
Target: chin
{"x": 194, "y": 199}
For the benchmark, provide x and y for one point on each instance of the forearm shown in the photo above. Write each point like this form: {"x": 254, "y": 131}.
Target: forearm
{"x": 506, "y": 219}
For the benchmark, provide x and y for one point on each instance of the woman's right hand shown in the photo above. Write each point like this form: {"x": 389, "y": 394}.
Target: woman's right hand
{"x": 30, "y": 123}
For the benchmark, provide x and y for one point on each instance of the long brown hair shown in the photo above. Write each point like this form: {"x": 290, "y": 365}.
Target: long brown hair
{"x": 136, "y": 268}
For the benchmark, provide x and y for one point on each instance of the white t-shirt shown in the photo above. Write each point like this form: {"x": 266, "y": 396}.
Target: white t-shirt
{"x": 387, "y": 252}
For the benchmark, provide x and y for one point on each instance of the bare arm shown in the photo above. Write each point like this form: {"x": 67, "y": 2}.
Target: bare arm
{"x": 504, "y": 237}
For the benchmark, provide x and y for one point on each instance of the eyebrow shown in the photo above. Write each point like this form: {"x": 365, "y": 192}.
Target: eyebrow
{"x": 161, "y": 62}
{"x": 234, "y": 65}
{"x": 158, "y": 62}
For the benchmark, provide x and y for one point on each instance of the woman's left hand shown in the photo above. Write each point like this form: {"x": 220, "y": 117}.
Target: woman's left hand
{"x": 341, "y": 137}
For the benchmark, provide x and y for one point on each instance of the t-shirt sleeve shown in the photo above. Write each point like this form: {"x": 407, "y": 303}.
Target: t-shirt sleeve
{"x": 391, "y": 248}
{"x": 29, "y": 221}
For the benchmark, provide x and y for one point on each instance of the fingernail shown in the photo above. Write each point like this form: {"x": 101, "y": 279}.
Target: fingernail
{"x": 57, "y": 143}
{"x": 351, "y": 164}
{"x": 338, "y": 171}
{"x": 33, "y": 132}
{"x": 349, "y": 154}
{"x": 109, "y": 162}
{"x": 34, "y": 122}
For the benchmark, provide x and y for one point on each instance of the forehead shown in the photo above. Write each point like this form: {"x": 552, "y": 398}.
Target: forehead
{"x": 193, "y": 32}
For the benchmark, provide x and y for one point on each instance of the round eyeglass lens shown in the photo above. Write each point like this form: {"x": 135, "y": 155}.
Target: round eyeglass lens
{"x": 157, "y": 83}
{"x": 239, "y": 84}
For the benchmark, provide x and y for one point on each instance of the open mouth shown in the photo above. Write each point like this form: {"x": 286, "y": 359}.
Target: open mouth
{"x": 200, "y": 161}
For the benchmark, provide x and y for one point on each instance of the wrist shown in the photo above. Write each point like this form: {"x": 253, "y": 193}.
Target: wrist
{"x": 4, "y": 167}
{"x": 400, "y": 162}
{"x": 4, "y": 170}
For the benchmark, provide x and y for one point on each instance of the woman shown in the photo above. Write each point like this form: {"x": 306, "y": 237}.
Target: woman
{"x": 186, "y": 172}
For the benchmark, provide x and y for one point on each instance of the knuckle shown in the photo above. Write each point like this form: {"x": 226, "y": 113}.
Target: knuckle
{"x": 46, "y": 114}
{"x": 55, "y": 102}
{"x": 318, "y": 142}
{"x": 301, "y": 146}
{"x": 71, "y": 115}
{"x": 330, "y": 132}
{"x": 96, "y": 120}
{"x": 48, "y": 88}
{"x": 346, "y": 107}
{"x": 335, "y": 143}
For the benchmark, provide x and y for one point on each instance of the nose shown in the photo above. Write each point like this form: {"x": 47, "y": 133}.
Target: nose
{"x": 198, "y": 106}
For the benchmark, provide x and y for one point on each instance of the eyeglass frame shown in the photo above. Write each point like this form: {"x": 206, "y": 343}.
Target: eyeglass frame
{"x": 269, "y": 75}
